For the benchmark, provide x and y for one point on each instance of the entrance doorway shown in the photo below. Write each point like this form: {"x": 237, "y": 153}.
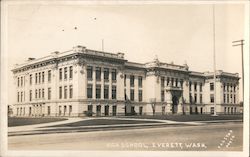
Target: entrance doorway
{"x": 98, "y": 110}
{"x": 140, "y": 110}
{"x": 106, "y": 112}
{"x": 174, "y": 105}
{"x": 114, "y": 110}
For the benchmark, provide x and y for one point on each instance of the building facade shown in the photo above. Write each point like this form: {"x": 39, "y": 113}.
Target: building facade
{"x": 84, "y": 82}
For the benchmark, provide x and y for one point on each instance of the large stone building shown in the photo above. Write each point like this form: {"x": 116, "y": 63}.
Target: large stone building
{"x": 84, "y": 82}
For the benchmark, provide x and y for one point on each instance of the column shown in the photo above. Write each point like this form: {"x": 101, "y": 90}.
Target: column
{"x": 168, "y": 98}
{"x": 120, "y": 86}
{"x": 136, "y": 88}
{"x": 94, "y": 84}
{"x": 110, "y": 83}
{"x": 102, "y": 83}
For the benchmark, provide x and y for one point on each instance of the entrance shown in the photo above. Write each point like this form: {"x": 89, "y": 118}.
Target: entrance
{"x": 140, "y": 110}
{"x": 106, "y": 113}
{"x": 174, "y": 105}
{"x": 98, "y": 110}
{"x": 114, "y": 110}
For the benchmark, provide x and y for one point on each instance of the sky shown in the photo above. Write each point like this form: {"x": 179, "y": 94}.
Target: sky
{"x": 179, "y": 33}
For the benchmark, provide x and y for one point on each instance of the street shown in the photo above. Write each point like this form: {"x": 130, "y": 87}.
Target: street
{"x": 208, "y": 137}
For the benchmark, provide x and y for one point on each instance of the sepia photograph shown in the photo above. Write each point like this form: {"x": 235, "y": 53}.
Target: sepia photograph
{"x": 124, "y": 78}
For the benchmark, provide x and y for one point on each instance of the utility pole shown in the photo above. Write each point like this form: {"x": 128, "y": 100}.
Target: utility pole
{"x": 102, "y": 45}
{"x": 214, "y": 59}
{"x": 241, "y": 44}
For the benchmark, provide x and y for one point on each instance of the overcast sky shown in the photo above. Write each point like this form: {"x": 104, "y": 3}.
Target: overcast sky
{"x": 178, "y": 33}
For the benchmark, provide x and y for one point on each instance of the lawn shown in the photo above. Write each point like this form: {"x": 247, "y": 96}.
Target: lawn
{"x": 93, "y": 122}
{"x": 16, "y": 121}
{"x": 186, "y": 118}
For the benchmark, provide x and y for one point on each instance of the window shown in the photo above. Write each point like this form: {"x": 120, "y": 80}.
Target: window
{"x": 140, "y": 95}
{"x": 48, "y": 110}
{"x": 21, "y": 81}
{"x": 211, "y": 86}
{"x": 113, "y": 92}
{"x": 71, "y": 91}
{"x": 65, "y": 92}
{"x": 181, "y": 81}
{"x": 71, "y": 72}
{"x": 42, "y": 93}
{"x": 36, "y": 78}
{"x": 17, "y": 96}
{"x": 60, "y": 74}
{"x": 60, "y": 110}
{"x": 172, "y": 81}
{"x": 49, "y": 93}
{"x": 60, "y": 92}
{"x": 98, "y": 73}
{"x": 42, "y": 77}
{"x": 228, "y": 87}
{"x": 39, "y": 93}
{"x": 90, "y": 109}
{"x": 234, "y": 88}
{"x": 18, "y": 83}
{"x": 231, "y": 98}
{"x": 227, "y": 98}
{"x": 195, "y": 98}
{"x": 49, "y": 76}
{"x": 113, "y": 74}
{"x": 162, "y": 81}
{"x": 200, "y": 98}
{"x": 106, "y": 92}
{"x": 36, "y": 94}
{"x": 30, "y": 95}
{"x": 225, "y": 109}
{"x": 132, "y": 80}
{"x": 132, "y": 95}
{"x": 190, "y": 86}
{"x": 224, "y": 87}
{"x": 98, "y": 91}
{"x": 211, "y": 98}
{"x": 29, "y": 110}
{"x": 65, "y": 73}
{"x": 200, "y": 87}
{"x": 234, "y": 99}
{"x": 212, "y": 110}
{"x": 125, "y": 78}
{"x": 89, "y": 91}
{"x": 195, "y": 86}
{"x": 30, "y": 79}
{"x": 39, "y": 77}
{"x": 168, "y": 81}
{"x": 89, "y": 73}
{"x": 190, "y": 98}
{"x": 125, "y": 94}
{"x": 224, "y": 98}
{"x": 176, "y": 82}
{"x": 140, "y": 81}
{"x": 70, "y": 109}
{"x": 162, "y": 95}
{"x": 21, "y": 96}
{"x": 106, "y": 73}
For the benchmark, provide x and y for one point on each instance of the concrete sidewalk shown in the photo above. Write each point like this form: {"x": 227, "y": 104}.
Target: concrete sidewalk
{"x": 46, "y": 128}
{"x": 37, "y": 126}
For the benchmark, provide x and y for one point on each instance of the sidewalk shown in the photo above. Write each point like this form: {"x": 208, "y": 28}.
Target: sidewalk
{"x": 37, "y": 126}
{"x": 46, "y": 128}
